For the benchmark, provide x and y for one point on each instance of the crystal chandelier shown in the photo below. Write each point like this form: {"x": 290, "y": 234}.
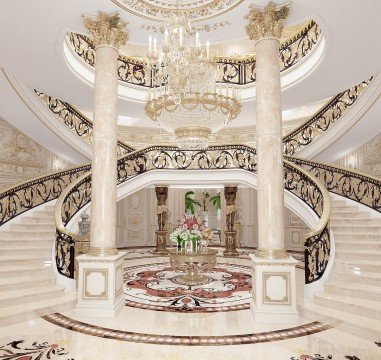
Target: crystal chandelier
{"x": 185, "y": 99}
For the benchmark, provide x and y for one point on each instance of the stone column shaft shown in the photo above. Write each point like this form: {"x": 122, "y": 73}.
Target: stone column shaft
{"x": 103, "y": 183}
{"x": 108, "y": 34}
{"x": 269, "y": 150}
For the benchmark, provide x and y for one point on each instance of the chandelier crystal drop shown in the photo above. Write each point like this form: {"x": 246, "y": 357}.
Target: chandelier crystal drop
{"x": 185, "y": 99}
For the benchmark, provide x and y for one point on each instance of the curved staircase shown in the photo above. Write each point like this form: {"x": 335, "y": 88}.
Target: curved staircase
{"x": 27, "y": 281}
{"x": 352, "y": 297}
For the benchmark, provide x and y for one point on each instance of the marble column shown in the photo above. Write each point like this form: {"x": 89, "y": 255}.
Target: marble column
{"x": 161, "y": 212}
{"x": 100, "y": 271}
{"x": 230, "y": 193}
{"x": 274, "y": 288}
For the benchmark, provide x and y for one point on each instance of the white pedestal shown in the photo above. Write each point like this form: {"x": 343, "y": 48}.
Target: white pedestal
{"x": 100, "y": 285}
{"x": 274, "y": 290}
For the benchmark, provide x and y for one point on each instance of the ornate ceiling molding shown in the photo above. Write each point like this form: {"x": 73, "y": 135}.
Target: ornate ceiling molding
{"x": 158, "y": 10}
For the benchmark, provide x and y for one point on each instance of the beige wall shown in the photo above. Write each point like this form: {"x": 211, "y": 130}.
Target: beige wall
{"x": 21, "y": 158}
{"x": 366, "y": 158}
{"x": 136, "y": 221}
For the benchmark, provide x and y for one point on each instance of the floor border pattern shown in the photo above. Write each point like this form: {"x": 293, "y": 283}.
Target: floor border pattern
{"x": 121, "y": 335}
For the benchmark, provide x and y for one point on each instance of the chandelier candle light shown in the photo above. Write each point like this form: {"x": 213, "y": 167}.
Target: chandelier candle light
{"x": 185, "y": 99}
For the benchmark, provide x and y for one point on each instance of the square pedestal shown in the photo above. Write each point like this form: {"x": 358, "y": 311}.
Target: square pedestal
{"x": 274, "y": 290}
{"x": 100, "y": 285}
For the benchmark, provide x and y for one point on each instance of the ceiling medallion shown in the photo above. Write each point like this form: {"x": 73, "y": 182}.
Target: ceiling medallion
{"x": 185, "y": 99}
{"x": 160, "y": 10}
{"x": 206, "y": 27}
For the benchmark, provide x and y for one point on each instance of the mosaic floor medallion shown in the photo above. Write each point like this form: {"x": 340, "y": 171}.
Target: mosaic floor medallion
{"x": 155, "y": 287}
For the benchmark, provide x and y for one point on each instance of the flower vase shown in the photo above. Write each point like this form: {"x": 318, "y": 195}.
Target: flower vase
{"x": 179, "y": 247}
{"x": 194, "y": 245}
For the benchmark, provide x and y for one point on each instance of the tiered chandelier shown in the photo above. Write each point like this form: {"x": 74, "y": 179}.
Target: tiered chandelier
{"x": 185, "y": 99}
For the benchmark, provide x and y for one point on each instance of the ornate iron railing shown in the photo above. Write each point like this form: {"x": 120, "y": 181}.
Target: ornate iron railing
{"x": 75, "y": 121}
{"x": 350, "y": 184}
{"x": 237, "y": 71}
{"x": 29, "y": 194}
{"x": 297, "y": 181}
{"x": 323, "y": 120}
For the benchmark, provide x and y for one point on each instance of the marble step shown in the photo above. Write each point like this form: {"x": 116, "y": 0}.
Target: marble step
{"x": 43, "y": 214}
{"x": 372, "y": 229}
{"x": 31, "y": 260}
{"x": 357, "y": 245}
{"x": 355, "y": 324}
{"x": 16, "y": 297}
{"x": 26, "y": 282}
{"x": 22, "y": 270}
{"x": 38, "y": 220}
{"x": 362, "y": 307}
{"x": 349, "y": 214}
{"x": 18, "y": 235}
{"x": 45, "y": 251}
{"x": 358, "y": 265}
{"x": 359, "y": 291}
{"x": 369, "y": 278}
{"x": 355, "y": 235}
{"x": 26, "y": 242}
{"x": 23, "y": 312}
{"x": 356, "y": 221}
{"x": 357, "y": 254}
{"x": 33, "y": 227}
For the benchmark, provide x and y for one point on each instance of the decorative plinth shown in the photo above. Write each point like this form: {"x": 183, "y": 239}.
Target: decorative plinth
{"x": 161, "y": 242}
{"x": 230, "y": 244}
{"x": 274, "y": 290}
{"x": 100, "y": 285}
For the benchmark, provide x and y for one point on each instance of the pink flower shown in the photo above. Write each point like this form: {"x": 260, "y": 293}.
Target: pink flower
{"x": 195, "y": 227}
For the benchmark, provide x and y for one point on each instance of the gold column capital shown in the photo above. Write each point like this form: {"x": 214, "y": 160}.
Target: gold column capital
{"x": 268, "y": 22}
{"x": 107, "y": 30}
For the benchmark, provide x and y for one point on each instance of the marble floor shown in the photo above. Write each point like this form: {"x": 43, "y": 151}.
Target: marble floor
{"x": 188, "y": 332}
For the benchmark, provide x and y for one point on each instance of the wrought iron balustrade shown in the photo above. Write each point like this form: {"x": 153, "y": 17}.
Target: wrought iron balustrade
{"x": 323, "y": 120}
{"x": 75, "y": 121}
{"x": 235, "y": 71}
{"x": 297, "y": 181}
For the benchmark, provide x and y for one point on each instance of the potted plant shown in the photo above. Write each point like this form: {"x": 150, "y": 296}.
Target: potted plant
{"x": 191, "y": 203}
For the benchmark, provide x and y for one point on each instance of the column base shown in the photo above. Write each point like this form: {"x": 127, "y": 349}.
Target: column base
{"x": 274, "y": 290}
{"x": 230, "y": 244}
{"x": 161, "y": 243}
{"x": 100, "y": 285}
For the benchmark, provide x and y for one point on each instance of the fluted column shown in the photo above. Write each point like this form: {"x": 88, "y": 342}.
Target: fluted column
{"x": 100, "y": 281}
{"x": 108, "y": 35}
{"x": 274, "y": 282}
{"x": 265, "y": 27}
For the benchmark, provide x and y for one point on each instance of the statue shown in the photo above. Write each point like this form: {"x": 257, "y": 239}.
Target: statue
{"x": 230, "y": 193}
{"x": 161, "y": 210}
{"x": 84, "y": 225}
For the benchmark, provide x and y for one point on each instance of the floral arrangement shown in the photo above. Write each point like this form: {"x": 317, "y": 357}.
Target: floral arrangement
{"x": 191, "y": 229}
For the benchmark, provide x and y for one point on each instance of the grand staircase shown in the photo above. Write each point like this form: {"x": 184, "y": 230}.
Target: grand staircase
{"x": 352, "y": 297}
{"x": 27, "y": 282}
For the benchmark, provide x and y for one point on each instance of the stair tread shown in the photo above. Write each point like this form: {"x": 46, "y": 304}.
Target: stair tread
{"x": 362, "y": 251}
{"x": 23, "y": 267}
{"x": 28, "y": 292}
{"x": 21, "y": 279}
{"x": 357, "y": 287}
{"x": 376, "y": 305}
{"x": 360, "y": 262}
{"x": 365, "y": 274}
{"x": 27, "y": 248}
{"x": 37, "y": 305}
{"x": 24, "y": 257}
{"x": 355, "y": 319}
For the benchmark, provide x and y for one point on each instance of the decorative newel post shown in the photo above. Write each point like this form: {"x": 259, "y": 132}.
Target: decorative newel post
{"x": 230, "y": 193}
{"x": 161, "y": 211}
{"x": 274, "y": 296}
{"x": 101, "y": 270}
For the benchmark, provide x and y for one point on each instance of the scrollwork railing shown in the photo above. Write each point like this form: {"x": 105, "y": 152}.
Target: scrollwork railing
{"x": 237, "y": 71}
{"x": 29, "y": 194}
{"x": 297, "y": 181}
{"x": 323, "y": 120}
{"x": 350, "y": 184}
{"x": 75, "y": 121}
